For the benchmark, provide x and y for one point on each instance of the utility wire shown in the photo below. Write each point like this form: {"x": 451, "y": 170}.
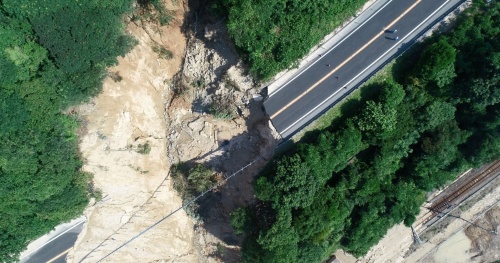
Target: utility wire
{"x": 493, "y": 232}
{"x": 187, "y": 204}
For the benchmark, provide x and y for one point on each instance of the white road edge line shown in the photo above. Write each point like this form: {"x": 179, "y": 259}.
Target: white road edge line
{"x": 319, "y": 105}
{"x": 332, "y": 48}
{"x": 52, "y": 239}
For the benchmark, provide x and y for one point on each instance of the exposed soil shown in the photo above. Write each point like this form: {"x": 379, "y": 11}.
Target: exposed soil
{"x": 211, "y": 70}
{"x": 166, "y": 104}
{"x": 136, "y": 188}
{"x": 486, "y": 245}
{"x": 447, "y": 236}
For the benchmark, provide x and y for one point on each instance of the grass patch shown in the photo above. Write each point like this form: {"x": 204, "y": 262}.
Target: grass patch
{"x": 189, "y": 180}
{"x": 144, "y": 148}
{"x": 154, "y": 11}
{"x": 222, "y": 107}
{"x": 163, "y": 52}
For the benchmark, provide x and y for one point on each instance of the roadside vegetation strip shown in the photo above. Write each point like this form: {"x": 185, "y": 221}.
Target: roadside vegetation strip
{"x": 349, "y": 104}
{"x": 343, "y": 63}
{"x": 345, "y": 185}
{"x": 364, "y": 70}
{"x": 53, "y": 55}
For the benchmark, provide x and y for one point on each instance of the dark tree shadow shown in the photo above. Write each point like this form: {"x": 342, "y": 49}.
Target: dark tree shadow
{"x": 215, "y": 207}
{"x": 226, "y": 254}
{"x": 199, "y": 105}
{"x": 256, "y": 145}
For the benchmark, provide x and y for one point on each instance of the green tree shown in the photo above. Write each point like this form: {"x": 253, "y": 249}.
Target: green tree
{"x": 392, "y": 94}
{"x": 369, "y": 225}
{"x": 377, "y": 118}
{"x": 437, "y": 64}
{"x": 324, "y": 219}
{"x": 274, "y": 34}
{"x": 241, "y": 220}
{"x": 352, "y": 181}
{"x": 434, "y": 114}
{"x": 200, "y": 178}
{"x": 291, "y": 186}
{"x": 279, "y": 242}
{"x": 52, "y": 53}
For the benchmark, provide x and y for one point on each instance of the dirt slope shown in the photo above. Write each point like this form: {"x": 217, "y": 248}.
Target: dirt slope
{"x": 136, "y": 188}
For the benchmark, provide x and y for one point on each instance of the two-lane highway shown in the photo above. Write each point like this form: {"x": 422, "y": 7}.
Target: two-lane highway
{"x": 338, "y": 70}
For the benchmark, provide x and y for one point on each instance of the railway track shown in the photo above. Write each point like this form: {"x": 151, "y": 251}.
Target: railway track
{"x": 448, "y": 200}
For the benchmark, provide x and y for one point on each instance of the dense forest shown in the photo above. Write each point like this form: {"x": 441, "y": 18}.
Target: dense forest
{"x": 273, "y": 34}
{"x": 344, "y": 186}
{"x": 53, "y": 54}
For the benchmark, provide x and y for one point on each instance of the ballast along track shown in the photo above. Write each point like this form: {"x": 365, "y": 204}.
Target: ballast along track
{"x": 448, "y": 201}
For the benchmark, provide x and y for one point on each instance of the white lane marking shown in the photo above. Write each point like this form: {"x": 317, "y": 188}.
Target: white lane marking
{"x": 319, "y": 105}
{"x": 332, "y": 48}
{"x": 376, "y": 37}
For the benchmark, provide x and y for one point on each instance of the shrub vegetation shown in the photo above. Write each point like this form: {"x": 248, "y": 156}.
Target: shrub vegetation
{"x": 344, "y": 186}
{"x": 273, "y": 34}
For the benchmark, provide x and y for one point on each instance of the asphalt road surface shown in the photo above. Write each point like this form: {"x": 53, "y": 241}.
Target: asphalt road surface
{"x": 55, "y": 250}
{"x": 341, "y": 69}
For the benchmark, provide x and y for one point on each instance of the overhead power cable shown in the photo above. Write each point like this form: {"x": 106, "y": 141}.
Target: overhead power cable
{"x": 185, "y": 205}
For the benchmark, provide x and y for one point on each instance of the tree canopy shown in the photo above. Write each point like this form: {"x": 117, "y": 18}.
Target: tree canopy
{"x": 53, "y": 54}
{"x": 273, "y": 34}
{"x": 347, "y": 184}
